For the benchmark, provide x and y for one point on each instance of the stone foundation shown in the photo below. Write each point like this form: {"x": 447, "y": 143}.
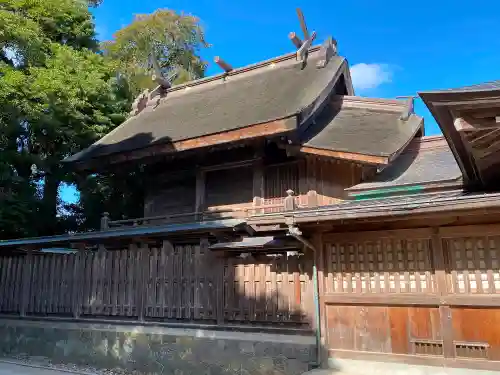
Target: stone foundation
{"x": 157, "y": 350}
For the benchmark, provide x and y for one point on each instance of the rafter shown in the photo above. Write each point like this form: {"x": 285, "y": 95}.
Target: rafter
{"x": 468, "y": 123}
{"x": 485, "y": 139}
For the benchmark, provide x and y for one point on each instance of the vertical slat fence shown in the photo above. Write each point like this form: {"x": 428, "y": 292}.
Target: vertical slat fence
{"x": 185, "y": 283}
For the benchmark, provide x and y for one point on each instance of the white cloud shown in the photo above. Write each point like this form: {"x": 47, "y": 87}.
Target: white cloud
{"x": 369, "y": 76}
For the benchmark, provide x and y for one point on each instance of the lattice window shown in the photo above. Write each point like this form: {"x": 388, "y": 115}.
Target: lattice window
{"x": 380, "y": 266}
{"x": 471, "y": 350}
{"x": 427, "y": 347}
{"x": 474, "y": 265}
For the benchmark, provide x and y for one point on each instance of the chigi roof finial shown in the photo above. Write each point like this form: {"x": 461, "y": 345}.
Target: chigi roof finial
{"x": 302, "y": 46}
{"x": 222, "y": 64}
{"x": 158, "y": 76}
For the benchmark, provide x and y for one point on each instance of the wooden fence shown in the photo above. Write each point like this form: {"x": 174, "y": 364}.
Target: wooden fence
{"x": 184, "y": 283}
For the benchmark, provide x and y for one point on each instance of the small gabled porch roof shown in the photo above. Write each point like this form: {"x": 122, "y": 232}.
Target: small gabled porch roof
{"x": 469, "y": 118}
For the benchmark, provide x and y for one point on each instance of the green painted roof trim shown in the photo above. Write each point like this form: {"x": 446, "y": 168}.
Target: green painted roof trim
{"x": 380, "y": 193}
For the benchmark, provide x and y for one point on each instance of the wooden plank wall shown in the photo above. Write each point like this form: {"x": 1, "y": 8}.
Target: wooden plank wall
{"x": 236, "y": 187}
{"x": 173, "y": 195}
{"x": 327, "y": 177}
{"x": 428, "y": 293}
{"x": 166, "y": 283}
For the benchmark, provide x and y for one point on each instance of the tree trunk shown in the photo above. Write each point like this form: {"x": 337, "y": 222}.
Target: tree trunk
{"x": 49, "y": 218}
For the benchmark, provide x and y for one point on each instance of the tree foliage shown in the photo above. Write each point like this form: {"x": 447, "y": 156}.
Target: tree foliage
{"x": 59, "y": 93}
{"x": 175, "y": 40}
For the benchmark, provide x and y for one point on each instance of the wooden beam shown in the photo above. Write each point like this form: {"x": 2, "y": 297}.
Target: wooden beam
{"x": 409, "y": 107}
{"x": 408, "y": 299}
{"x": 246, "y": 133}
{"x": 222, "y": 64}
{"x": 297, "y": 42}
{"x": 200, "y": 192}
{"x": 303, "y": 25}
{"x": 302, "y": 51}
{"x": 467, "y": 123}
{"x": 470, "y": 104}
{"x": 368, "y": 159}
{"x": 328, "y": 50}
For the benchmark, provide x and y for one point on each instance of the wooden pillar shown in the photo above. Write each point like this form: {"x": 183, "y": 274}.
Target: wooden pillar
{"x": 26, "y": 278}
{"x": 200, "y": 194}
{"x": 258, "y": 187}
{"x": 289, "y": 202}
{"x": 218, "y": 266}
{"x": 77, "y": 286}
{"x": 312, "y": 198}
{"x": 317, "y": 241}
{"x": 105, "y": 221}
{"x": 439, "y": 261}
{"x": 142, "y": 272}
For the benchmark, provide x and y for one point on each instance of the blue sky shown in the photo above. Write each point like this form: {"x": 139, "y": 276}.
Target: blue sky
{"x": 394, "y": 48}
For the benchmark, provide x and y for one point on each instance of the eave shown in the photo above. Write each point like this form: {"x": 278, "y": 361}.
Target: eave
{"x": 469, "y": 122}
{"x": 113, "y": 235}
{"x": 394, "y": 208}
{"x": 268, "y": 129}
{"x": 350, "y": 156}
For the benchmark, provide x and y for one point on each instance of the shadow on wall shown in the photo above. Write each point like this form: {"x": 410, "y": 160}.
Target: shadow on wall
{"x": 201, "y": 313}
{"x": 160, "y": 307}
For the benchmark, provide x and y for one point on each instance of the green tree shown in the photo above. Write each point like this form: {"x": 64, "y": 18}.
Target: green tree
{"x": 174, "y": 39}
{"x": 58, "y": 95}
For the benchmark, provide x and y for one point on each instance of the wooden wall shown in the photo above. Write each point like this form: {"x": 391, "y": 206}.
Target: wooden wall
{"x": 171, "y": 195}
{"x": 429, "y": 293}
{"x": 327, "y": 177}
{"x": 237, "y": 187}
{"x": 184, "y": 283}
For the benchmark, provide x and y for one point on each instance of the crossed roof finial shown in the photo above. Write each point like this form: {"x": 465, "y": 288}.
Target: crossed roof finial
{"x": 302, "y": 46}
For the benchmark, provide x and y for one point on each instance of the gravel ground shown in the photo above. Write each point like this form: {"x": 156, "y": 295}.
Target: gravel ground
{"x": 45, "y": 362}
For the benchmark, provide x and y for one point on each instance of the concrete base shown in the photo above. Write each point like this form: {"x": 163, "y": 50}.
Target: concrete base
{"x": 361, "y": 367}
{"x": 157, "y": 350}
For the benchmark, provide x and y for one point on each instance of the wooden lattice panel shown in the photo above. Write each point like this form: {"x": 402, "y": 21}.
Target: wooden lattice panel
{"x": 427, "y": 347}
{"x": 380, "y": 266}
{"x": 474, "y": 265}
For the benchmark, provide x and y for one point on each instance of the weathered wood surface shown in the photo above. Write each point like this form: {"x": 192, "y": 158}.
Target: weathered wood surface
{"x": 422, "y": 292}
{"x": 254, "y": 188}
{"x": 171, "y": 282}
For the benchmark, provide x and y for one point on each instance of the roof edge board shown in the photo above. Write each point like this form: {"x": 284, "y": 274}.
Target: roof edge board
{"x": 427, "y": 185}
{"x": 271, "y": 128}
{"x": 351, "y": 156}
{"x": 322, "y": 100}
{"x": 396, "y": 154}
{"x": 444, "y": 119}
{"x": 168, "y": 229}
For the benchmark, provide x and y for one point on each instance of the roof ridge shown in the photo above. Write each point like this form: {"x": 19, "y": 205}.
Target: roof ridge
{"x": 424, "y": 143}
{"x": 243, "y": 69}
{"x": 386, "y": 105}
